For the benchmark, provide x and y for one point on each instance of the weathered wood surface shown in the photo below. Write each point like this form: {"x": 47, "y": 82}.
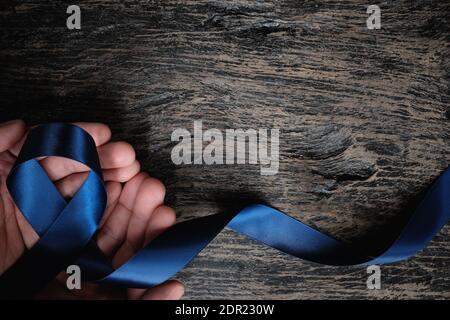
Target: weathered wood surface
{"x": 364, "y": 118}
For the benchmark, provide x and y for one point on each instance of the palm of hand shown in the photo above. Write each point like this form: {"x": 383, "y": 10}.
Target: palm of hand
{"x": 135, "y": 213}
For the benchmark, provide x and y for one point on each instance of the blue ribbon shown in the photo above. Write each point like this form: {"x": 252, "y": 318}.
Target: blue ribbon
{"x": 66, "y": 228}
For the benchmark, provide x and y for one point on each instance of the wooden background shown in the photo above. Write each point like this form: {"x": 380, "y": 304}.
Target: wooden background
{"x": 364, "y": 118}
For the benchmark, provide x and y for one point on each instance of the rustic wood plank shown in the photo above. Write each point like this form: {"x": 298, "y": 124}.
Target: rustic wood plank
{"x": 364, "y": 118}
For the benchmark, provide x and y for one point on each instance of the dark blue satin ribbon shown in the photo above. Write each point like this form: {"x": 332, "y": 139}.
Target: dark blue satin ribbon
{"x": 66, "y": 228}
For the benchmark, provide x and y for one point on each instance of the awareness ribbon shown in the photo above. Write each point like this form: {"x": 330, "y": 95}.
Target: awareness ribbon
{"x": 66, "y": 228}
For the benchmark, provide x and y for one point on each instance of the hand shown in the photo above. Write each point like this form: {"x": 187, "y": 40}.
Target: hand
{"x": 134, "y": 215}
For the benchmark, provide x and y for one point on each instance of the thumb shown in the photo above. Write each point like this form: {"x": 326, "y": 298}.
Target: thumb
{"x": 10, "y": 133}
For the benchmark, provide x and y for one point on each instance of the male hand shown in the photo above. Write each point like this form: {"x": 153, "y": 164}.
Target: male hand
{"x": 134, "y": 215}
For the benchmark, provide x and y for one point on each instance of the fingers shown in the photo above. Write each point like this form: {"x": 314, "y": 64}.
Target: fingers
{"x": 29, "y": 235}
{"x": 58, "y": 168}
{"x": 170, "y": 290}
{"x": 6, "y": 156}
{"x": 6, "y": 163}
{"x": 130, "y": 191}
{"x": 133, "y": 216}
{"x": 118, "y": 157}
{"x": 137, "y": 218}
{"x": 10, "y": 133}
{"x": 122, "y": 174}
{"x": 21, "y": 231}
{"x": 69, "y": 185}
{"x": 113, "y": 231}
{"x": 11, "y": 240}
{"x": 113, "y": 190}
{"x": 98, "y": 131}
{"x": 162, "y": 218}
{"x": 150, "y": 196}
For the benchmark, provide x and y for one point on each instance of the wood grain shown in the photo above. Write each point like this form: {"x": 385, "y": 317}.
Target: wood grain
{"x": 364, "y": 118}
